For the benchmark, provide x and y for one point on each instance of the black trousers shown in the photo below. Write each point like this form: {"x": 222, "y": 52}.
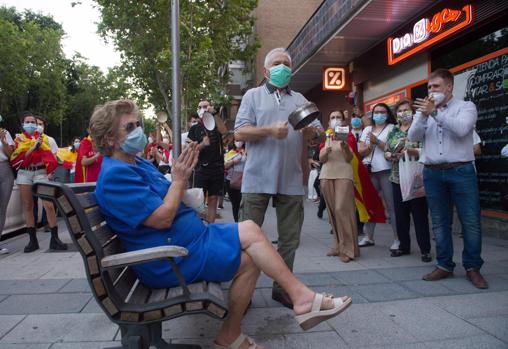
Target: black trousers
{"x": 235, "y": 196}
{"x": 403, "y": 212}
{"x": 322, "y": 203}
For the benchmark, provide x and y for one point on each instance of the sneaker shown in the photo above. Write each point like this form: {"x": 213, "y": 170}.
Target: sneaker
{"x": 395, "y": 246}
{"x": 426, "y": 258}
{"x": 365, "y": 242}
{"x": 4, "y": 250}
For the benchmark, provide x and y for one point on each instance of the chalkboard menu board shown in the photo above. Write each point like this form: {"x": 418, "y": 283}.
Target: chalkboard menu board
{"x": 486, "y": 85}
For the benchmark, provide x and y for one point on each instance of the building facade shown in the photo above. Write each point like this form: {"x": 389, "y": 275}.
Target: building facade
{"x": 386, "y": 50}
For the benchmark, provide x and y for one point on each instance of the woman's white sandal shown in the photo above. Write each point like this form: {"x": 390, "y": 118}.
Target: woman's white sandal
{"x": 238, "y": 342}
{"x": 316, "y": 315}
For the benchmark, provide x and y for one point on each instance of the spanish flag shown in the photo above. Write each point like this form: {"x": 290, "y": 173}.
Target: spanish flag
{"x": 67, "y": 157}
{"x": 24, "y": 142}
{"x": 368, "y": 203}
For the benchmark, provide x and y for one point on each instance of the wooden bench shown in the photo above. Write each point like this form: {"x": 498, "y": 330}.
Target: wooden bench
{"x": 137, "y": 309}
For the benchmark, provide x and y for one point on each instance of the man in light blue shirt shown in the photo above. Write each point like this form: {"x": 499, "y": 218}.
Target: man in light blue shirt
{"x": 274, "y": 156}
{"x": 446, "y": 125}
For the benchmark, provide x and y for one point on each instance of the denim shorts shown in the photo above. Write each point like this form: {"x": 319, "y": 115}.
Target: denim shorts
{"x": 29, "y": 177}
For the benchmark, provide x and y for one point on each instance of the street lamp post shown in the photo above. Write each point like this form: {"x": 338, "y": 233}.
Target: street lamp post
{"x": 175, "y": 91}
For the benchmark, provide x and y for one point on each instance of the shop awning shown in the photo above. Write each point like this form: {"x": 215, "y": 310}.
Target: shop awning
{"x": 342, "y": 30}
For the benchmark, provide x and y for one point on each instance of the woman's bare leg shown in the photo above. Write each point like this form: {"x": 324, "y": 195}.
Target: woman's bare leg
{"x": 240, "y": 295}
{"x": 266, "y": 258}
{"x": 27, "y": 201}
{"x": 50, "y": 213}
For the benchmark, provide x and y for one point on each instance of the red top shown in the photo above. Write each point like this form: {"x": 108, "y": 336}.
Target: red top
{"x": 88, "y": 173}
{"x": 160, "y": 149}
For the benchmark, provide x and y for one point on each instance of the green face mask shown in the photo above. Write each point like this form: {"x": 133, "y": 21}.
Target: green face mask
{"x": 280, "y": 75}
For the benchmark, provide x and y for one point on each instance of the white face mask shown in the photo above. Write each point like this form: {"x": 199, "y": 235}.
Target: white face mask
{"x": 334, "y": 122}
{"x": 165, "y": 140}
{"x": 238, "y": 144}
{"x": 438, "y": 97}
{"x": 201, "y": 111}
{"x": 193, "y": 123}
{"x": 40, "y": 129}
{"x": 150, "y": 140}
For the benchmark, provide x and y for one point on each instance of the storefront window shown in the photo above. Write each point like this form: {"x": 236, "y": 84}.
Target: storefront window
{"x": 481, "y": 74}
{"x": 448, "y": 57}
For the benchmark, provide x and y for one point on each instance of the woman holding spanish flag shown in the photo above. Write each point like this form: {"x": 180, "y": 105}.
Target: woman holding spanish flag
{"x": 33, "y": 159}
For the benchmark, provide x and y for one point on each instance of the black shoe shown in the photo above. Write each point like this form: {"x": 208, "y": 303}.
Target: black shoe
{"x": 398, "y": 253}
{"x": 55, "y": 243}
{"x": 426, "y": 257}
{"x": 33, "y": 244}
{"x": 282, "y": 297}
{"x": 320, "y": 214}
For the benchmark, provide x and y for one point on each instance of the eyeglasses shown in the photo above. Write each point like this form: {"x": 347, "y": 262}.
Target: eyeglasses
{"x": 131, "y": 126}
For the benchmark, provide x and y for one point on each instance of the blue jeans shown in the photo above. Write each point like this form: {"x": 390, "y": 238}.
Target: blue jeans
{"x": 445, "y": 188}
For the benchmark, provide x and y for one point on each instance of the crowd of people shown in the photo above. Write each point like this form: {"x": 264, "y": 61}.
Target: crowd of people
{"x": 361, "y": 177}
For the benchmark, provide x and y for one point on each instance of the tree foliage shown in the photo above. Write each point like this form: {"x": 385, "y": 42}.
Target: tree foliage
{"x": 213, "y": 33}
{"x": 36, "y": 76}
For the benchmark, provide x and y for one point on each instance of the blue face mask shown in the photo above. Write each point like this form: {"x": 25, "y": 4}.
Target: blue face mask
{"x": 29, "y": 128}
{"x": 280, "y": 75}
{"x": 379, "y": 118}
{"x": 356, "y": 122}
{"x": 135, "y": 142}
{"x": 76, "y": 145}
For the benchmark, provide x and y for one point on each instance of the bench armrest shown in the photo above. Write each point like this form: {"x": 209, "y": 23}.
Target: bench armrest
{"x": 142, "y": 256}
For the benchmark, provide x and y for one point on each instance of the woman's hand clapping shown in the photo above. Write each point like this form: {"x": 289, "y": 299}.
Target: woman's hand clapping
{"x": 183, "y": 166}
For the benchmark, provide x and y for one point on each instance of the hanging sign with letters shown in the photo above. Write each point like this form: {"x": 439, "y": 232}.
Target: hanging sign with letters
{"x": 428, "y": 31}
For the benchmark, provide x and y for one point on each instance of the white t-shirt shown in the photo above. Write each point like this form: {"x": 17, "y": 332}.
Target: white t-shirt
{"x": 476, "y": 138}
{"x": 53, "y": 145}
{"x": 8, "y": 137}
{"x": 377, "y": 157}
{"x": 184, "y": 138}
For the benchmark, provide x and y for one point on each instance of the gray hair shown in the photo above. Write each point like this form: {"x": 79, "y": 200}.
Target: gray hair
{"x": 268, "y": 57}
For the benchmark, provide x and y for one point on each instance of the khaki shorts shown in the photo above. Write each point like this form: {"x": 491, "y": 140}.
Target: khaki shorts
{"x": 29, "y": 177}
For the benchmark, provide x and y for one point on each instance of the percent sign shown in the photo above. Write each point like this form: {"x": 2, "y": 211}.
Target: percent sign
{"x": 335, "y": 78}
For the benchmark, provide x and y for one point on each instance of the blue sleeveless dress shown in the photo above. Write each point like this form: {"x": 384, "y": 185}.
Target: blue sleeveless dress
{"x": 128, "y": 194}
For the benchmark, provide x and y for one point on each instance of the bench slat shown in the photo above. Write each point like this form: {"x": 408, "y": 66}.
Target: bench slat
{"x": 123, "y": 280}
{"x": 104, "y": 235}
{"x": 94, "y": 216}
{"x": 86, "y": 200}
{"x": 65, "y": 205}
{"x": 140, "y": 294}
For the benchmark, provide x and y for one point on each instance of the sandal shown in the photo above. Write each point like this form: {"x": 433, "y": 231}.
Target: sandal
{"x": 238, "y": 342}
{"x": 316, "y": 315}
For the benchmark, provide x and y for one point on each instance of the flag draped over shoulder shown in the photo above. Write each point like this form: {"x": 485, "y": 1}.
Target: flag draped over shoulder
{"x": 368, "y": 203}
{"x": 24, "y": 142}
{"x": 67, "y": 157}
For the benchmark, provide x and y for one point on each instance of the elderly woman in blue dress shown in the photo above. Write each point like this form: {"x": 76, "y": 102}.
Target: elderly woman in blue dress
{"x": 146, "y": 210}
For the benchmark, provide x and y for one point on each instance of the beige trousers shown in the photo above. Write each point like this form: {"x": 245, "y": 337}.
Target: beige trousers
{"x": 340, "y": 205}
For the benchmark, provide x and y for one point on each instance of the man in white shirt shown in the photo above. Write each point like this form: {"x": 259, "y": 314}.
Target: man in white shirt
{"x": 446, "y": 125}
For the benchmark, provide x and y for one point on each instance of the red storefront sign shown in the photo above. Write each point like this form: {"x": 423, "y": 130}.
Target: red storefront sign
{"x": 427, "y": 32}
{"x": 334, "y": 79}
{"x": 389, "y": 100}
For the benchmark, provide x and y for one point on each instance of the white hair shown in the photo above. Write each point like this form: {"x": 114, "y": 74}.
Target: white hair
{"x": 268, "y": 57}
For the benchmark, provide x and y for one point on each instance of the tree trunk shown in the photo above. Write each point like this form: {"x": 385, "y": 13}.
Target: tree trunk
{"x": 162, "y": 90}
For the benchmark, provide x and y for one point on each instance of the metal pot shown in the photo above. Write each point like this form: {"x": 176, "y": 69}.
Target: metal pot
{"x": 303, "y": 115}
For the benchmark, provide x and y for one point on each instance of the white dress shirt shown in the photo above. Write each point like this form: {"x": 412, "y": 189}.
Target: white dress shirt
{"x": 448, "y": 135}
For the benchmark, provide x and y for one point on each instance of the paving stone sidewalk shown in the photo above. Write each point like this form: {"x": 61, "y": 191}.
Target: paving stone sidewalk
{"x": 45, "y": 301}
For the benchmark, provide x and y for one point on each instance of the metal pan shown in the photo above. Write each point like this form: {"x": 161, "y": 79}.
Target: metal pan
{"x": 303, "y": 115}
